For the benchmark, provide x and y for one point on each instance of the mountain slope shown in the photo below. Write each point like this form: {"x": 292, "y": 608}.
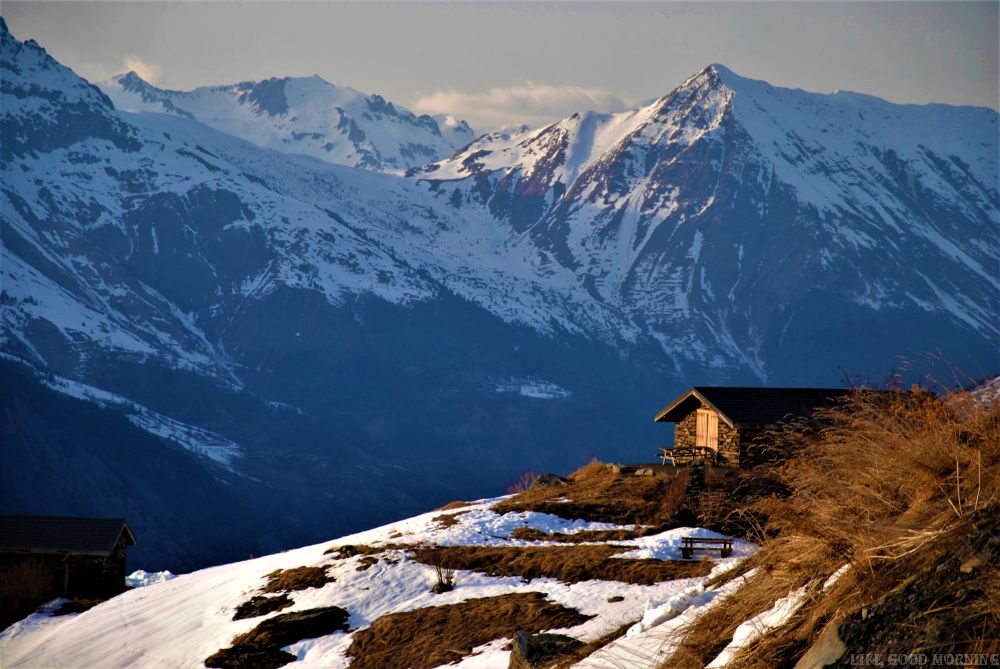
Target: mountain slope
{"x": 724, "y": 213}
{"x": 377, "y": 585}
{"x": 305, "y": 115}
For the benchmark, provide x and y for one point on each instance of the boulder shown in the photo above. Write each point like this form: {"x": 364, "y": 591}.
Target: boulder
{"x": 533, "y": 651}
{"x": 549, "y": 481}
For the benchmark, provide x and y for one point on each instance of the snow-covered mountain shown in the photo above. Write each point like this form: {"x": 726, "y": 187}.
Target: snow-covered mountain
{"x": 741, "y": 221}
{"x": 305, "y": 115}
{"x": 334, "y": 327}
{"x": 382, "y": 342}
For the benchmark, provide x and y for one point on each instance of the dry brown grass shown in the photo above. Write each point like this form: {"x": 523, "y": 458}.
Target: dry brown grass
{"x": 457, "y": 504}
{"x": 298, "y": 578}
{"x": 569, "y": 564}
{"x": 260, "y": 605}
{"x": 260, "y": 648}
{"x": 583, "y": 536}
{"x": 905, "y": 489}
{"x": 599, "y": 493}
{"x": 448, "y": 519}
{"x": 438, "y": 635}
{"x": 350, "y": 550}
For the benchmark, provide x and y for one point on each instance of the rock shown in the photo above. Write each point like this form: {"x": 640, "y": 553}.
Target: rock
{"x": 533, "y": 651}
{"x": 645, "y": 471}
{"x": 549, "y": 481}
{"x": 442, "y": 587}
{"x": 972, "y": 563}
{"x": 826, "y": 651}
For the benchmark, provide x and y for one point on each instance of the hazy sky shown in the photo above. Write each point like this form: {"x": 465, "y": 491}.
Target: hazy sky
{"x": 504, "y": 63}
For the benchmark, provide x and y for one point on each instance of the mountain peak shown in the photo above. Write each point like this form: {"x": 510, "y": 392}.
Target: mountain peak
{"x": 130, "y": 79}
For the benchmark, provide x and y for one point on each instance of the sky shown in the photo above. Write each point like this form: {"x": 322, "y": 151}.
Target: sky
{"x": 497, "y": 64}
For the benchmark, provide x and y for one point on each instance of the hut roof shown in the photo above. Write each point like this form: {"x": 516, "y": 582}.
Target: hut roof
{"x": 61, "y": 534}
{"x": 752, "y": 406}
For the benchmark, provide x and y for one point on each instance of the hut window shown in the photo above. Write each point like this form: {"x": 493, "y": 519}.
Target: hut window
{"x": 707, "y": 429}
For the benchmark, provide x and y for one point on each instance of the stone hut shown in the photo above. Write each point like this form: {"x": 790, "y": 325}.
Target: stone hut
{"x": 81, "y": 557}
{"x": 720, "y": 423}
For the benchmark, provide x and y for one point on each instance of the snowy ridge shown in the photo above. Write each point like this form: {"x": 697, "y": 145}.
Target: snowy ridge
{"x": 305, "y": 115}
{"x": 197, "y": 608}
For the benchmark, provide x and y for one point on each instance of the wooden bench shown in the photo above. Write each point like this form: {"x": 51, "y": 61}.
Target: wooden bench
{"x": 691, "y": 544}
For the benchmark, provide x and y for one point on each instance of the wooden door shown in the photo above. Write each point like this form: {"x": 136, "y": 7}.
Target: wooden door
{"x": 707, "y": 429}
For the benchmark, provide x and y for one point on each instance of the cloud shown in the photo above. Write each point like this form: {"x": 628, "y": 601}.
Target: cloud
{"x": 530, "y": 103}
{"x": 147, "y": 71}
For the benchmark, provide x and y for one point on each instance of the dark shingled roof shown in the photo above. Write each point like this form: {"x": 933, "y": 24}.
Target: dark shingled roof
{"x": 56, "y": 534}
{"x": 752, "y": 406}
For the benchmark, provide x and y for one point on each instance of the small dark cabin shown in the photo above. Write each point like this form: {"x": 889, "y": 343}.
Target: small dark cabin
{"x": 84, "y": 557}
{"x": 720, "y": 423}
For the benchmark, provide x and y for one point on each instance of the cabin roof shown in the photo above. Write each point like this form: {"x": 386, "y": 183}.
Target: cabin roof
{"x": 739, "y": 406}
{"x": 61, "y": 534}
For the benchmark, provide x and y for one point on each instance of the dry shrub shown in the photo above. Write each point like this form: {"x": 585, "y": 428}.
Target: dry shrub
{"x": 522, "y": 483}
{"x": 298, "y": 578}
{"x": 599, "y": 493}
{"x": 903, "y": 487}
{"x": 569, "y": 564}
{"x": 437, "y": 635}
{"x": 581, "y": 537}
{"x": 445, "y": 580}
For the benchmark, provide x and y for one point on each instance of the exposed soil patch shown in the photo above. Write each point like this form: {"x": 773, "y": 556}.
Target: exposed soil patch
{"x": 260, "y": 605}
{"x": 299, "y": 578}
{"x": 437, "y": 635}
{"x": 601, "y": 493}
{"x": 260, "y": 648}
{"x": 582, "y": 537}
{"x": 569, "y": 564}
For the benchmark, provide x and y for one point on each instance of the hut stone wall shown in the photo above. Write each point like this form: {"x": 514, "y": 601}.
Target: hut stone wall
{"x": 685, "y": 432}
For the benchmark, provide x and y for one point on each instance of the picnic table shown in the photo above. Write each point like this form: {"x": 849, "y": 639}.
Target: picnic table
{"x": 687, "y": 454}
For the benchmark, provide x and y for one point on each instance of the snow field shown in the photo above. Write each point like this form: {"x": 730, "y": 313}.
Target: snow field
{"x": 183, "y": 620}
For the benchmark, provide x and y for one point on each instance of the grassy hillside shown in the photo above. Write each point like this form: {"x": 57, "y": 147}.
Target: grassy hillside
{"x": 887, "y": 544}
